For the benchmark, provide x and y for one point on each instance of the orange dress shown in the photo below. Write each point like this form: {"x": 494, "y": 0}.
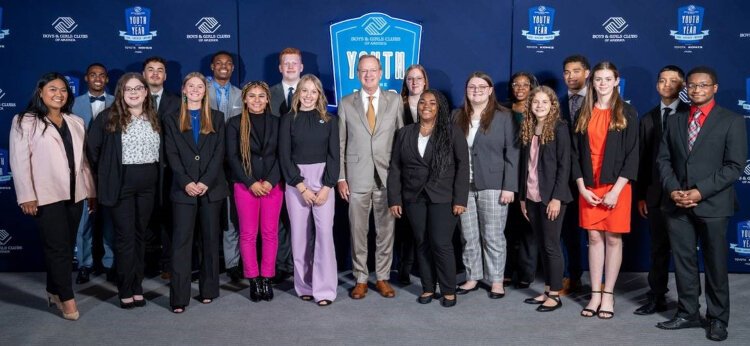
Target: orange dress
{"x": 601, "y": 218}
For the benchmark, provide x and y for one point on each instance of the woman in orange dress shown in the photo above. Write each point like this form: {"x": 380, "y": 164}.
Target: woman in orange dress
{"x": 605, "y": 160}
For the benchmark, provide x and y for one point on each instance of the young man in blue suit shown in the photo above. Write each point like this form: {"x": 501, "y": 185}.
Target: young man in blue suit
{"x": 88, "y": 106}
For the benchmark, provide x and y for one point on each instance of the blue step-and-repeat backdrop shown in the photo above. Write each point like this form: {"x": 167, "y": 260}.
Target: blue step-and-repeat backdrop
{"x": 451, "y": 39}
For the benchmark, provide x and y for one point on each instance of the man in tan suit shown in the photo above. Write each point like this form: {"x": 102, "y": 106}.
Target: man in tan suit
{"x": 368, "y": 120}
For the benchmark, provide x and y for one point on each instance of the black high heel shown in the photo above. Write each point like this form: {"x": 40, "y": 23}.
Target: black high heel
{"x": 592, "y": 312}
{"x": 606, "y": 314}
{"x": 267, "y": 289}
{"x": 254, "y": 294}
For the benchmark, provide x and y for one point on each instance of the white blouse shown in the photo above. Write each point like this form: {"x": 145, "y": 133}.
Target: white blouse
{"x": 422, "y": 144}
{"x": 140, "y": 143}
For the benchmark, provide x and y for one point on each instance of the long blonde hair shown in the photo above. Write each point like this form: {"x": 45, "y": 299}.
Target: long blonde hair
{"x": 528, "y": 126}
{"x": 618, "y": 122}
{"x": 321, "y": 106}
{"x": 207, "y": 125}
{"x": 245, "y": 125}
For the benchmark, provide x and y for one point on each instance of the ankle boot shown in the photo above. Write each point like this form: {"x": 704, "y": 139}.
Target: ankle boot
{"x": 254, "y": 290}
{"x": 267, "y": 290}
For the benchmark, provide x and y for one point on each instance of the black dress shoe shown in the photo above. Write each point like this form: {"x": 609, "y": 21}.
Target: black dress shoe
{"x": 533, "y": 301}
{"x": 127, "y": 305}
{"x": 425, "y": 299}
{"x": 717, "y": 331}
{"x": 139, "y": 303}
{"x": 679, "y": 323}
{"x": 544, "y": 308}
{"x": 254, "y": 293}
{"x": 267, "y": 289}
{"x": 235, "y": 274}
{"x": 447, "y": 303}
{"x": 462, "y": 291}
{"x": 495, "y": 295}
{"x": 83, "y": 275}
{"x": 651, "y": 307}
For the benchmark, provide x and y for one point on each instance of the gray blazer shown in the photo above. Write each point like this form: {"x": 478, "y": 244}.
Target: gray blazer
{"x": 494, "y": 155}
{"x": 82, "y": 107}
{"x": 278, "y": 100}
{"x": 362, "y": 153}
{"x": 235, "y": 100}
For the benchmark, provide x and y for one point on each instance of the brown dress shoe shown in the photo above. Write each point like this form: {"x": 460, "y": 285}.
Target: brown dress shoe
{"x": 359, "y": 291}
{"x": 385, "y": 289}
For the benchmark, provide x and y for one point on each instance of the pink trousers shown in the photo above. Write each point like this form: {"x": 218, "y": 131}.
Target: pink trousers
{"x": 253, "y": 213}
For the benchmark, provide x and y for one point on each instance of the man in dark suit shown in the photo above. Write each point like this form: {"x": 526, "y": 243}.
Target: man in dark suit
{"x": 576, "y": 70}
{"x": 159, "y": 236}
{"x": 701, "y": 155}
{"x": 290, "y": 67}
{"x": 87, "y": 106}
{"x": 648, "y": 190}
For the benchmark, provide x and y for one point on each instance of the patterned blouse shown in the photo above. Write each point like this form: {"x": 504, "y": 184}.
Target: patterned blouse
{"x": 140, "y": 143}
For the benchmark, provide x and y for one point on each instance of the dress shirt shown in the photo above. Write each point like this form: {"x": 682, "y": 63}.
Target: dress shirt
{"x": 366, "y": 101}
{"x": 97, "y": 106}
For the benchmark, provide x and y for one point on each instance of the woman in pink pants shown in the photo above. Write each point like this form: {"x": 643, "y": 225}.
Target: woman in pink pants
{"x": 252, "y": 139}
{"x": 309, "y": 154}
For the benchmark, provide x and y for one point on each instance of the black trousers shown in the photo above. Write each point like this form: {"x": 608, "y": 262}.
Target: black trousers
{"x": 58, "y": 225}
{"x": 572, "y": 236}
{"x": 131, "y": 216}
{"x": 284, "y": 253}
{"x": 185, "y": 218}
{"x": 522, "y": 252}
{"x": 547, "y": 234}
{"x": 433, "y": 225}
{"x": 658, "y": 275}
{"x": 404, "y": 242}
{"x": 685, "y": 231}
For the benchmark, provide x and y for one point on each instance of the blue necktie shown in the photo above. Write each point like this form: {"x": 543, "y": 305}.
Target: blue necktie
{"x": 93, "y": 99}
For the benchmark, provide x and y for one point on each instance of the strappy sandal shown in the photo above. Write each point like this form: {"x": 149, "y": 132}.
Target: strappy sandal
{"x": 605, "y": 314}
{"x": 592, "y": 312}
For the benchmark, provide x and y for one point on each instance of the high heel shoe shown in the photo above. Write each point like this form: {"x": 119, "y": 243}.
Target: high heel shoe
{"x": 590, "y": 311}
{"x": 606, "y": 314}
{"x": 267, "y": 289}
{"x": 70, "y": 316}
{"x": 545, "y": 308}
{"x": 254, "y": 292}
{"x": 53, "y": 299}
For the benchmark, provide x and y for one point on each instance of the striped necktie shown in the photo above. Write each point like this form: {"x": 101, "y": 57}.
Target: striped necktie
{"x": 693, "y": 129}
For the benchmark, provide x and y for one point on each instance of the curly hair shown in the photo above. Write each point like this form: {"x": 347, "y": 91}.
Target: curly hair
{"x": 528, "y": 126}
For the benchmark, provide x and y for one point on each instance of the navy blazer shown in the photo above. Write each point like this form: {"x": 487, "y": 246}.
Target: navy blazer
{"x": 409, "y": 173}
{"x": 264, "y": 156}
{"x": 716, "y": 161}
{"x": 494, "y": 155}
{"x": 620, "y": 153}
{"x": 82, "y": 107}
{"x": 649, "y": 137}
{"x": 553, "y": 167}
{"x": 191, "y": 162}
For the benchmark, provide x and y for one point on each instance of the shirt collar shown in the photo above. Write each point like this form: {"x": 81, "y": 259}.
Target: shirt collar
{"x": 705, "y": 109}
{"x": 672, "y": 106}
{"x": 581, "y": 92}
{"x": 104, "y": 94}
{"x": 287, "y": 86}
{"x": 365, "y": 95}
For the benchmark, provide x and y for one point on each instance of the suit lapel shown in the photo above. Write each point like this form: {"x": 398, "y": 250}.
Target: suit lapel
{"x": 682, "y": 130}
{"x": 360, "y": 108}
{"x": 382, "y": 106}
{"x": 187, "y": 136}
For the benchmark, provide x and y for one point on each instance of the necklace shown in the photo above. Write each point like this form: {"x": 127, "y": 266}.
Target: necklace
{"x": 425, "y": 127}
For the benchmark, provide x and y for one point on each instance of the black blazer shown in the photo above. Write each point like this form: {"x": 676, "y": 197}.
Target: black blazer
{"x": 409, "y": 173}
{"x": 169, "y": 105}
{"x": 264, "y": 158}
{"x": 203, "y": 162}
{"x": 649, "y": 137}
{"x": 104, "y": 151}
{"x": 565, "y": 108}
{"x": 408, "y": 120}
{"x": 553, "y": 167}
{"x": 620, "y": 153}
{"x": 716, "y": 161}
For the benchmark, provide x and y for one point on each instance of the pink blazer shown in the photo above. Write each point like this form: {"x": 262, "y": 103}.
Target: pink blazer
{"x": 39, "y": 165}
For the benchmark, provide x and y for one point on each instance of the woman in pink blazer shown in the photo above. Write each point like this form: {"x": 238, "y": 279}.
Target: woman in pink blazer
{"x": 52, "y": 177}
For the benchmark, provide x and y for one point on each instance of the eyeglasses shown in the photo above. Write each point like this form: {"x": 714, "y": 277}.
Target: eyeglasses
{"x": 521, "y": 85}
{"x": 479, "y": 88}
{"x": 135, "y": 89}
{"x": 414, "y": 79}
{"x": 702, "y": 86}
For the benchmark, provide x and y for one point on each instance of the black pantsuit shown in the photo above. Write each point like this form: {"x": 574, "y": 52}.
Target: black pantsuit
{"x": 433, "y": 225}
{"x": 547, "y": 233}
{"x": 405, "y": 245}
{"x": 130, "y": 216}
{"x": 58, "y": 224}
{"x": 684, "y": 232}
{"x": 658, "y": 275}
{"x": 182, "y": 242}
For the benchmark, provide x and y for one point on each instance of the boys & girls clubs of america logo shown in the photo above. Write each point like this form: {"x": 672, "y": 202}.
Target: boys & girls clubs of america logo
{"x": 541, "y": 31}
{"x": 138, "y": 28}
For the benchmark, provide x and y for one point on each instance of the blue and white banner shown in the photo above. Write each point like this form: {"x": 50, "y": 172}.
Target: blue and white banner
{"x": 689, "y": 25}
{"x": 3, "y": 32}
{"x": 138, "y": 26}
{"x": 396, "y": 42}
